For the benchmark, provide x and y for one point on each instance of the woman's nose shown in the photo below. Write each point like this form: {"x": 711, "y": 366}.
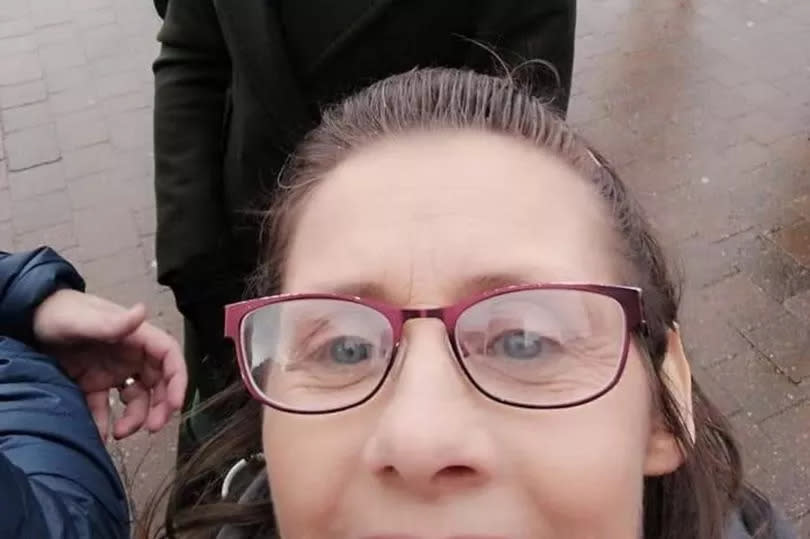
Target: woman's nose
{"x": 431, "y": 439}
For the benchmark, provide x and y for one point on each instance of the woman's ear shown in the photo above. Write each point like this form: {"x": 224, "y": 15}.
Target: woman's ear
{"x": 664, "y": 451}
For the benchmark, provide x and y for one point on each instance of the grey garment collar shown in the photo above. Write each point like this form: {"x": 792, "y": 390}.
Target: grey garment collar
{"x": 258, "y": 489}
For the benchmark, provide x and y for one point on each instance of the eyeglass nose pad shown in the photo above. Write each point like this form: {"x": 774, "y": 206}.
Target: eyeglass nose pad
{"x": 399, "y": 355}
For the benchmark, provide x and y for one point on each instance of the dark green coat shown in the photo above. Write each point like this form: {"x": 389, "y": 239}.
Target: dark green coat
{"x": 238, "y": 82}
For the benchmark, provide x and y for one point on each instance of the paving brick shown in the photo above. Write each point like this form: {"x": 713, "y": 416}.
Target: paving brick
{"x": 792, "y": 429}
{"x": 19, "y": 68}
{"x": 36, "y": 181}
{"x": 42, "y": 211}
{"x": 92, "y": 18}
{"x": 5, "y": 205}
{"x": 770, "y": 468}
{"x": 62, "y": 55}
{"x": 116, "y": 268}
{"x": 786, "y": 342}
{"x": 17, "y": 118}
{"x": 112, "y": 64}
{"x": 31, "y": 147}
{"x": 93, "y": 230}
{"x": 126, "y": 102}
{"x": 757, "y": 385}
{"x": 88, "y": 160}
{"x": 79, "y": 97}
{"x": 64, "y": 79}
{"x": 131, "y": 130}
{"x": 80, "y": 129}
{"x": 55, "y": 33}
{"x": 97, "y": 190}
{"x": 117, "y": 83}
{"x": 103, "y": 41}
{"x": 744, "y": 304}
{"x": 720, "y": 395}
{"x": 50, "y": 12}
{"x": 746, "y": 155}
{"x": 773, "y": 270}
{"x": 15, "y": 27}
{"x": 23, "y": 94}
{"x": 148, "y": 248}
{"x": 135, "y": 164}
{"x": 146, "y": 221}
{"x": 81, "y": 5}
{"x": 16, "y": 45}
{"x": 799, "y": 306}
{"x": 6, "y": 235}
{"x": 139, "y": 289}
{"x": 802, "y": 206}
{"x": 795, "y": 240}
{"x": 58, "y": 237}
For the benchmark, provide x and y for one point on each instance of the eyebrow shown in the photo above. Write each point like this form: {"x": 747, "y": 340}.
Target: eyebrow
{"x": 490, "y": 281}
{"x": 468, "y": 286}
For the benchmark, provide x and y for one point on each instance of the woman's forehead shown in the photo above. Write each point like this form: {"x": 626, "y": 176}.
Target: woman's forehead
{"x": 432, "y": 210}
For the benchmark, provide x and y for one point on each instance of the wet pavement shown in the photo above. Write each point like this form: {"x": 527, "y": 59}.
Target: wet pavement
{"x": 704, "y": 105}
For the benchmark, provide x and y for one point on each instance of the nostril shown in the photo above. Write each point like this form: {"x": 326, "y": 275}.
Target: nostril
{"x": 456, "y": 471}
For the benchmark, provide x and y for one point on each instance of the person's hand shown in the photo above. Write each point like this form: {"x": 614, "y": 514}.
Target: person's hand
{"x": 104, "y": 346}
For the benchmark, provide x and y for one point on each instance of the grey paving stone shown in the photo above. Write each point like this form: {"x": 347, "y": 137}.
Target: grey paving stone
{"x": 23, "y": 94}
{"x": 40, "y": 212}
{"x": 93, "y": 230}
{"x": 17, "y": 118}
{"x": 57, "y": 237}
{"x": 786, "y": 342}
{"x": 19, "y": 68}
{"x": 5, "y": 205}
{"x": 82, "y": 128}
{"x": 31, "y": 147}
{"x": 36, "y": 181}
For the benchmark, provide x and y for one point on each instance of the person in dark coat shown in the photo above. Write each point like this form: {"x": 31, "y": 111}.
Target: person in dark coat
{"x": 56, "y": 478}
{"x": 237, "y": 84}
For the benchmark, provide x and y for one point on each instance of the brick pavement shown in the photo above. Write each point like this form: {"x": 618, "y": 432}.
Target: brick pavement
{"x": 703, "y": 104}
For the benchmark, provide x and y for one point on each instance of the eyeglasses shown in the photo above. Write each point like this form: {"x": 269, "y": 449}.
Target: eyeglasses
{"x": 537, "y": 346}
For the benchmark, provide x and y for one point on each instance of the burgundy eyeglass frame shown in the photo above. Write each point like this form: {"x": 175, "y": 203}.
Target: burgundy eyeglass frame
{"x": 628, "y": 298}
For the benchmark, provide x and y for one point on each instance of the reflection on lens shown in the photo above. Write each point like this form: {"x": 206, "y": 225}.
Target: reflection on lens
{"x": 317, "y": 354}
{"x": 542, "y": 347}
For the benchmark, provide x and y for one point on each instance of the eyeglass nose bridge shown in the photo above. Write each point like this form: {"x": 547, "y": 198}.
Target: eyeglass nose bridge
{"x": 438, "y": 313}
{"x": 434, "y": 312}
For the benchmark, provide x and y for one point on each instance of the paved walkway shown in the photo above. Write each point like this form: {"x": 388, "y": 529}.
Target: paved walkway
{"x": 703, "y": 104}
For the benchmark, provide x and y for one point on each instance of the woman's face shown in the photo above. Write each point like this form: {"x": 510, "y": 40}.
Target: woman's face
{"x": 420, "y": 220}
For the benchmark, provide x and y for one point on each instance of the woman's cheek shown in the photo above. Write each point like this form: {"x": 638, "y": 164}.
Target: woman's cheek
{"x": 583, "y": 467}
{"x": 309, "y": 463}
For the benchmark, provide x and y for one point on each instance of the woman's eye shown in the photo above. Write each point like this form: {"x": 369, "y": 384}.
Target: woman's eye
{"x": 518, "y": 344}
{"x": 349, "y": 350}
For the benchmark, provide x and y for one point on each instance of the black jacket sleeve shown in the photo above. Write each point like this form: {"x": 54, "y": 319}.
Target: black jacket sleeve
{"x": 192, "y": 74}
{"x": 527, "y": 31}
{"x": 26, "y": 280}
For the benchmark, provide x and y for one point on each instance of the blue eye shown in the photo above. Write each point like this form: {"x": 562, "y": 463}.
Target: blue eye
{"x": 350, "y": 350}
{"x": 517, "y": 344}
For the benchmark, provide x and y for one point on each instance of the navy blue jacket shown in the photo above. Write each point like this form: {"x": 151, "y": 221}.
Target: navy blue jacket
{"x": 56, "y": 477}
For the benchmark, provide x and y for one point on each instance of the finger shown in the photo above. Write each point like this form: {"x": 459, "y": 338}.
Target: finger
{"x": 149, "y": 375}
{"x": 69, "y": 316}
{"x": 136, "y": 399}
{"x": 163, "y": 352}
{"x": 121, "y": 324}
{"x": 159, "y": 411}
{"x": 99, "y": 404}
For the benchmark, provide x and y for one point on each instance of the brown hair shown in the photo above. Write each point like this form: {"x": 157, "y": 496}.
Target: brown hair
{"x": 694, "y": 502}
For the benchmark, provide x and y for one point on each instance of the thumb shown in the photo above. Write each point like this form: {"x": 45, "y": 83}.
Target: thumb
{"x": 123, "y": 323}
